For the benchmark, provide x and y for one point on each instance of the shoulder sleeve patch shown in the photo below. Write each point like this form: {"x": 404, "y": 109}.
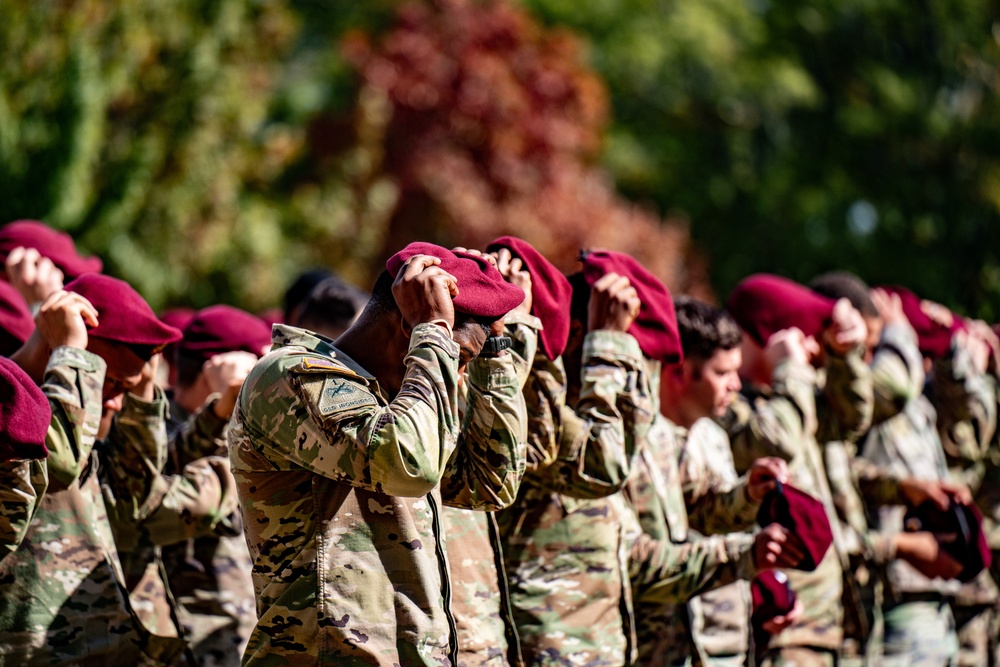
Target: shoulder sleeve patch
{"x": 343, "y": 395}
{"x": 323, "y": 365}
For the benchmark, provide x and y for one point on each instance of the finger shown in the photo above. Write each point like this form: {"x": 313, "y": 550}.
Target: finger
{"x": 14, "y": 258}
{"x": 416, "y": 264}
{"x": 516, "y": 265}
{"x": 617, "y": 286}
{"x": 503, "y": 260}
{"x": 461, "y": 249}
{"x": 89, "y": 314}
{"x": 601, "y": 284}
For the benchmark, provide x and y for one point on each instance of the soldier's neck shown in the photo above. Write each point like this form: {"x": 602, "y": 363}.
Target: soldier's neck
{"x": 379, "y": 348}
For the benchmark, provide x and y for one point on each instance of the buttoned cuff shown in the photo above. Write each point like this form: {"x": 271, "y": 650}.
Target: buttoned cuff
{"x": 492, "y": 373}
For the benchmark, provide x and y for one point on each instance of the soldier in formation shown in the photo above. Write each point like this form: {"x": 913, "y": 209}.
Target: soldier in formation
{"x": 488, "y": 462}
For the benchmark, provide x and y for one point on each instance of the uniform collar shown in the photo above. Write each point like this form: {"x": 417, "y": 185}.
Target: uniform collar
{"x": 283, "y": 335}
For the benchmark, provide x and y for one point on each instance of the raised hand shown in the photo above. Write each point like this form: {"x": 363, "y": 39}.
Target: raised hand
{"x": 424, "y": 292}
{"x": 614, "y": 304}
{"x": 63, "y": 320}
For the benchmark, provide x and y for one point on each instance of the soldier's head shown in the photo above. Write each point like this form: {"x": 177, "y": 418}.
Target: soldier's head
{"x": 483, "y": 299}
{"x": 778, "y": 317}
{"x": 298, "y": 292}
{"x": 704, "y": 383}
{"x": 331, "y": 307}
{"x": 845, "y": 285}
{"x": 128, "y": 334}
{"x": 222, "y": 335}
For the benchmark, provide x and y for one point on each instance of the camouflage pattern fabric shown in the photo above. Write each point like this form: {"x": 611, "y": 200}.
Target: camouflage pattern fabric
{"x": 22, "y": 484}
{"x": 480, "y": 599}
{"x": 674, "y": 565}
{"x": 342, "y": 503}
{"x": 209, "y": 574}
{"x": 786, "y": 422}
{"x": 62, "y": 594}
{"x": 720, "y": 618}
{"x": 920, "y": 633}
{"x": 565, "y": 550}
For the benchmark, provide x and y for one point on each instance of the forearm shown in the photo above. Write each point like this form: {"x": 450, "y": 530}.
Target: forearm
{"x": 485, "y": 471}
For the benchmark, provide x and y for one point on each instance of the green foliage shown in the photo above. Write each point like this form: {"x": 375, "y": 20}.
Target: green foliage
{"x": 804, "y": 136}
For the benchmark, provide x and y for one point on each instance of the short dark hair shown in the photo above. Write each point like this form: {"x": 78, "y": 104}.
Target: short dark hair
{"x": 299, "y": 291}
{"x": 332, "y": 304}
{"x": 846, "y": 285}
{"x": 705, "y": 329}
{"x": 188, "y": 368}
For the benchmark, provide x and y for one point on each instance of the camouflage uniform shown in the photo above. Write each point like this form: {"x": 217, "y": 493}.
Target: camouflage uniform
{"x": 791, "y": 421}
{"x": 209, "y": 575}
{"x": 719, "y": 619}
{"x": 480, "y": 598}
{"x": 919, "y": 627}
{"x": 566, "y": 551}
{"x": 62, "y": 594}
{"x": 660, "y": 495}
{"x": 342, "y": 489}
{"x": 22, "y": 485}
{"x": 966, "y": 404}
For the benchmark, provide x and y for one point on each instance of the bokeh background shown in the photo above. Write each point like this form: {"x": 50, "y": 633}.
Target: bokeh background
{"x": 210, "y": 150}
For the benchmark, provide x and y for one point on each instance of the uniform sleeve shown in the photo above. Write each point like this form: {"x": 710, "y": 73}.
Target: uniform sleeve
{"x": 844, "y": 407}
{"x": 777, "y": 425}
{"x": 22, "y": 484}
{"x": 878, "y": 486}
{"x": 73, "y": 383}
{"x": 669, "y": 573}
{"x": 146, "y": 505}
{"x": 897, "y": 371}
{"x": 201, "y": 434}
{"x": 714, "y": 505}
{"x": 485, "y": 470}
{"x": 966, "y": 406}
{"x": 523, "y": 332}
{"x": 332, "y": 424}
{"x": 545, "y": 401}
{"x": 598, "y": 438}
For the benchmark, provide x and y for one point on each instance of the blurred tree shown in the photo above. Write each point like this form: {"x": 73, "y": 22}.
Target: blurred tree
{"x": 495, "y": 125}
{"x": 800, "y": 136}
{"x": 145, "y": 129}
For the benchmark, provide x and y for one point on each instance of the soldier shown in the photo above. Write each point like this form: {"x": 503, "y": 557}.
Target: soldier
{"x": 209, "y": 576}
{"x": 691, "y": 395}
{"x": 656, "y": 493}
{"x": 24, "y": 422}
{"x": 61, "y": 592}
{"x": 919, "y": 621}
{"x": 343, "y": 455}
{"x": 786, "y": 328}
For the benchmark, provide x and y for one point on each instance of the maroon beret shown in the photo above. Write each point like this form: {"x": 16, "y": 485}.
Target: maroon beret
{"x": 482, "y": 291}
{"x": 959, "y": 529}
{"x": 764, "y": 304}
{"x": 24, "y": 415}
{"x": 803, "y": 516}
{"x": 123, "y": 315}
{"x": 933, "y": 338}
{"x": 218, "y": 329}
{"x": 551, "y": 294}
{"x": 772, "y": 597}
{"x": 57, "y": 246}
{"x": 177, "y": 318}
{"x": 655, "y": 328}
{"x": 16, "y": 322}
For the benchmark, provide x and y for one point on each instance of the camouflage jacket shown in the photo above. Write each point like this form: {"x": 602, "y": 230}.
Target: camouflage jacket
{"x": 341, "y": 490}
{"x": 690, "y": 564}
{"x": 62, "y": 593}
{"x": 22, "y": 485}
{"x": 790, "y": 421}
{"x": 209, "y": 574}
{"x": 903, "y": 443}
{"x": 480, "y": 599}
{"x": 566, "y": 552}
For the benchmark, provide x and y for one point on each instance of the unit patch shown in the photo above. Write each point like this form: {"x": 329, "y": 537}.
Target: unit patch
{"x": 340, "y": 395}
